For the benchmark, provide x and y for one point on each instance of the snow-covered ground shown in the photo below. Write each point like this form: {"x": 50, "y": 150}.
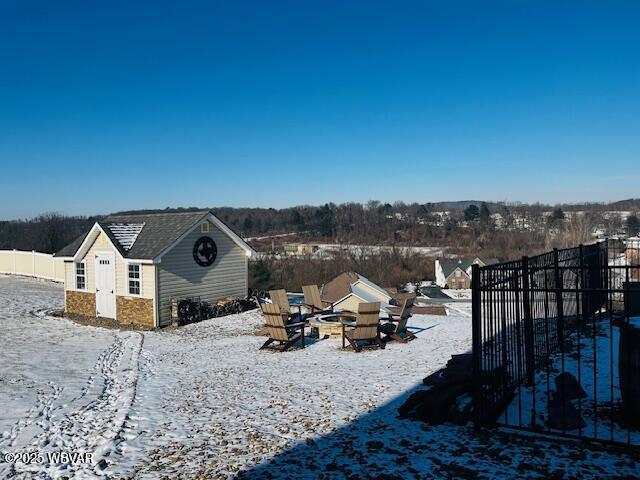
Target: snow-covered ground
{"x": 602, "y": 392}
{"x": 460, "y": 293}
{"x": 462, "y": 309}
{"x": 203, "y": 402}
{"x": 330, "y": 250}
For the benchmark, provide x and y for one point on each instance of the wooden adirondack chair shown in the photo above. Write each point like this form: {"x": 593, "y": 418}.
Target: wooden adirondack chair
{"x": 400, "y": 332}
{"x": 279, "y": 297}
{"x": 286, "y": 335}
{"x": 365, "y": 329}
{"x": 313, "y": 301}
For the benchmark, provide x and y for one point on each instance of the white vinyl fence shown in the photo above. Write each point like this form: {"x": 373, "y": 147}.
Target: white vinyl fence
{"x": 33, "y": 264}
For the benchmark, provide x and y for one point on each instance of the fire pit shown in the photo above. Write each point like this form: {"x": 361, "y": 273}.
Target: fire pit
{"x": 329, "y": 325}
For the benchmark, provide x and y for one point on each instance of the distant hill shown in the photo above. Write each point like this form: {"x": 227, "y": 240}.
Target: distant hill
{"x": 373, "y": 223}
{"x": 158, "y": 210}
{"x": 455, "y": 205}
{"x": 630, "y": 204}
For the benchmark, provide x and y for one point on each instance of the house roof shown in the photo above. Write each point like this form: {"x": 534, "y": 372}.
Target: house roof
{"x": 339, "y": 287}
{"x": 348, "y": 282}
{"x": 490, "y": 261}
{"x": 126, "y": 233}
{"x": 147, "y": 236}
{"x": 449, "y": 266}
{"x": 70, "y": 249}
{"x": 365, "y": 294}
{"x": 372, "y": 285}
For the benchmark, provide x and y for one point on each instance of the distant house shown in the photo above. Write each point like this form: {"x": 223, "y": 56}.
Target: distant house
{"x": 349, "y": 289}
{"x": 130, "y": 267}
{"x": 632, "y": 256}
{"x": 456, "y": 273}
{"x": 300, "y": 248}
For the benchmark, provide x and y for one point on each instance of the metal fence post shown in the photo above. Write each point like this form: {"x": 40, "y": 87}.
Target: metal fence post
{"x": 584, "y": 285}
{"x": 476, "y": 332}
{"x": 604, "y": 265}
{"x": 559, "y": 299}
{"x": 530, "y": 363}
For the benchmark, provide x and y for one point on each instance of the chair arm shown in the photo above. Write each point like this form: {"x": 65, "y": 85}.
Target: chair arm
{"x": 303, "y": 324}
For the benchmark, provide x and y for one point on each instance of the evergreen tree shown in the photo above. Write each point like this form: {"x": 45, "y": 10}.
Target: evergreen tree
{"x": 247, "y": 225}
{"x": 558, "y": 214}
{"x": 471, "y": 213}
{"x": 485, "y": 214}
{"x": 260, "y": 276}
{"x": 633, "y": 226}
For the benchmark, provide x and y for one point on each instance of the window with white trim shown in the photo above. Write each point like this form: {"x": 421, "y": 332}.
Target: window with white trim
{"x": 81, "y": 276}
{"x": 204, "y": 228}
{"x": 134, "y": 279}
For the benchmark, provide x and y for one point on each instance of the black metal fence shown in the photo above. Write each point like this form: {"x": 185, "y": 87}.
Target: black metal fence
{"x": 547, "y": 332}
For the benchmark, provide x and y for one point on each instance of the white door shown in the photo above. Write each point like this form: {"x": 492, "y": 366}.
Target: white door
{"x": 105, "y": 285}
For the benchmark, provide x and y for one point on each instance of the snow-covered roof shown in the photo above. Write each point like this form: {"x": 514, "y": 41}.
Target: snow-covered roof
{"x": 147, "y": 236}
{"x": 371, "y": 285}
{"x": 126, "y": 233}
{"x": 339, "y": 287}
{"x": 365, "y": 296}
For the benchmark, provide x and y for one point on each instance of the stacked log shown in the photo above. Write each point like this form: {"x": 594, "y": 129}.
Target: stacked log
{"x": 191, "y": 310}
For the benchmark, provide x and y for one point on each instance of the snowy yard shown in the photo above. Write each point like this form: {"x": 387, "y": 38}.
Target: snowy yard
{"x": 602, "y": 392}
{"x": 202, "y": 402}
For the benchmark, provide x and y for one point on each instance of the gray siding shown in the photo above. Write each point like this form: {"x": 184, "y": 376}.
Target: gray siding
{"x": 180, "y": 276}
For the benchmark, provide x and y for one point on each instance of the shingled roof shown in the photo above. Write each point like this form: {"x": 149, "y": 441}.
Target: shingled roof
{"x": 449, "y": 266}
{"x": 348, "y": 282}
{"x": 72, "y": 248}
{"x": 142, "y": 236}
{"x": 339, "y": 287}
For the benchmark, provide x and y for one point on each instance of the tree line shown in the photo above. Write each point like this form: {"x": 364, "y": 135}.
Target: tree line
{"x": 496, "y": 229}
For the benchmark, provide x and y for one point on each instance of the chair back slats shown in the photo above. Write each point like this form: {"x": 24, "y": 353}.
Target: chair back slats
{"x": 405, "y": 313}
{"x": 279, "y": 297}
{"x": 275, "y": 323}
{"x": 312, "y": 296}
{"x": 367, "y": 321}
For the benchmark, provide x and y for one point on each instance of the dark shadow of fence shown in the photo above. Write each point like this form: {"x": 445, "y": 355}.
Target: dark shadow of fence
{"x": 379, "y": 445}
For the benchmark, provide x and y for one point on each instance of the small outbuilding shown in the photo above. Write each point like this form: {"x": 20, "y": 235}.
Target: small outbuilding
{"x": 130, "y": 267}
{"x": 349, "y": 289}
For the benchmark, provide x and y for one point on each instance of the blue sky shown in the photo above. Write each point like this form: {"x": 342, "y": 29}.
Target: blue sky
{"x": 107, "y": 106}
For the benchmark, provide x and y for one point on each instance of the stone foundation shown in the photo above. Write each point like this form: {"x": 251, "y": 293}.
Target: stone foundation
{"x": 80, "y": 303}
{"x": 135, "y": 310}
